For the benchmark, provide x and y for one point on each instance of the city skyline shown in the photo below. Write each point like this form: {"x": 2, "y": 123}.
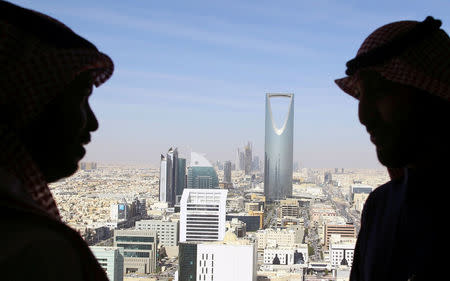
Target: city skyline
{"x": 196, "y": 74}
{"x": 224, "y": 149}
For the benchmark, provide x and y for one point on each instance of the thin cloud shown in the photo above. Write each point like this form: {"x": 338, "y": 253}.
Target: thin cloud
{"x": 145, "y": 97}
{"x": 227, "y": 39}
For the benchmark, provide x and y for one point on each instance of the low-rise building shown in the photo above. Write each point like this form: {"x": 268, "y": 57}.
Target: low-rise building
{"x": 276, "y": 238}
{"x": 345, "y": 230}
{"x": 139, "y": 250}
{"x": 111, "y": 260}
{"x": 167, "y": 230}
{"x": 289, "y": 208}
{"x": 286, "y": 256}
{"x": 231, "y": 259}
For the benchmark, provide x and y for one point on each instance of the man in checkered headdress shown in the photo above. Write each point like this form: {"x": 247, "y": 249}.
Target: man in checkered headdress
{"x": 401, "y": 77}
{"x": 47, "y": 73}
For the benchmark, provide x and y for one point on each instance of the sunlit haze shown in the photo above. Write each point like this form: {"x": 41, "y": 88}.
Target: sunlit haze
{"x": 195, "y": 73}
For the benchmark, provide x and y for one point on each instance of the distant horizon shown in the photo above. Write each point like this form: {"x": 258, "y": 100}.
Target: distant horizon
{"x": 156, "y": 166}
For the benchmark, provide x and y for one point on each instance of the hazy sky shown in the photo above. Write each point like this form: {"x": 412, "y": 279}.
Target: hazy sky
{"x": 195, "y": 73}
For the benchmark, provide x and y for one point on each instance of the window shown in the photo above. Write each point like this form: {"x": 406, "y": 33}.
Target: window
{"x": 136, "y": 254}
{"x": 134, "y": 239}
{"x": 136, "y": 246}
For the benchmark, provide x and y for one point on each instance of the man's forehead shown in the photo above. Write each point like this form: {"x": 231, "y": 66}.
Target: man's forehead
{"x": 368, "y": 75}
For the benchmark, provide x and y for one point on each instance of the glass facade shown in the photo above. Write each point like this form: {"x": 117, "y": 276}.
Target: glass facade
{"x": 187, "y": 262}
{"x": 202, "y": 177}
{"x": 135, "y": 246}
{"x": 251, "y": 222}
{"x": 129, "y": 254}
{"x": 278, "y": 152}
{"x": 181, "y": 177}
{"x": 134, "y": 239}
{"x": 227, "y": 172}
{"x": 172, "y": 177}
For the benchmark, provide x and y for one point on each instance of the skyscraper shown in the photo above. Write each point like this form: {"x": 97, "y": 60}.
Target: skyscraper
{"x": 278, "y": 155}
{"x": 181, "y": 179}
{"x": 169, "y": 177}
{"x": 227, "y": 172}
{"x": 201, "y": 173}
{"x": 172, "y": 175}
{"x": 241, "y": 160}
{"x": 237, "y": 165}
{"x": 202, "y": 214}
{"x": 163, "y": 179}
{"x": 255, "y": 163}
{"x": 248, "y": 159}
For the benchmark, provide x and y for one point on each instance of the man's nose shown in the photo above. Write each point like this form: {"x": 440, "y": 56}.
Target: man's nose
{"x": 366, "y": 111}
{"x": 92, "y": 122}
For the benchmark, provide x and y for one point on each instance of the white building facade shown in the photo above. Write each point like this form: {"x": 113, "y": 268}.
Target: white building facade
{"x": 217, "y": 262}
{"x": 163, "y": 180}
{"x": 275, "y": 238}
{"x": 119, "y": 211}
{"x": 167, "y": 230}
{"x": 202, "y": 215}
{"x": 286, "y": 256}
{"x": 111, "y": 260}
{"x": 340, "y": 251}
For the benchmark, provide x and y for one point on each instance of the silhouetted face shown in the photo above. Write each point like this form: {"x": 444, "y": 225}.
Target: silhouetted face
{"x": 386, "y": 109}
{"x": 55, "y": 139}
{"x": 404, "y": 123}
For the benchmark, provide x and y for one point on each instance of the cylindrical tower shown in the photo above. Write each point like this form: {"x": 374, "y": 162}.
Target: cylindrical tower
{"x": 278, "y": 152}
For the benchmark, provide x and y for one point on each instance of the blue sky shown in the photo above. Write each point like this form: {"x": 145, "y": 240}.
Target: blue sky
{"x": 195, "y": 73}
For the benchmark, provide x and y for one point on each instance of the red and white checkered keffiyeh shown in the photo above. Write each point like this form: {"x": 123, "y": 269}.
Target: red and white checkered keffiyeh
{"x": 424, "y": 65}
{"x": 32, "y": 74}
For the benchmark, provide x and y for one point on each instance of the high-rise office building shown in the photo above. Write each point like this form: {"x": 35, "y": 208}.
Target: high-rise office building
{"x": 181, "y": 179}
{"x": 111, "y": 260}
{"x": 172, "y": 175}
{"x": 237, "y": 165}
{"x": 248, "y": 159}
{"x": 163, "y": 179}
{"x": 209, "y": 261}
{"x": 255, "y": 163}
{"x": 139, "y": 250}
{"x": 278, "y": 157}
{"x": 241, "y": 160}
{"x": 171, "y": 179}
{"x": 201, "y": 173}
{"x": 202, "y": 214}
{"x": 227, "y": 172}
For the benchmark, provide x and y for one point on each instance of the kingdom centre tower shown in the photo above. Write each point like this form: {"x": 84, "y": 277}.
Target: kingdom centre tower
{"x": 278, "y": 156}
